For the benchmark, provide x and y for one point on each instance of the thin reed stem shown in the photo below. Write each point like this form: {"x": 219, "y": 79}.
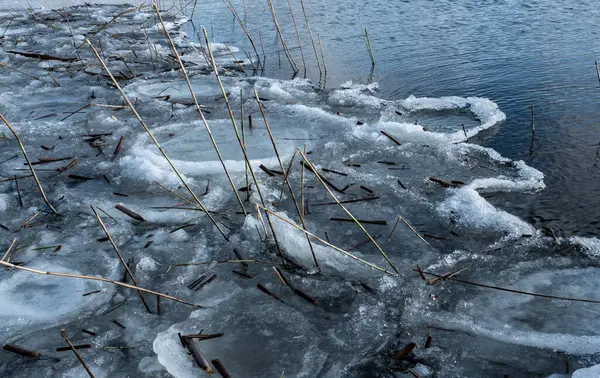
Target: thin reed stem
{"x": 326, "y": 242}
{"x": 512, "y": 290}
{"x": 322, "y": 54}
{"x": 94, "y": 278}
{"x": 297, "y": 34}
{"x": 235, "y": 15}
{"x": 37, "y": 181}
{"x": 114, "y": 245}
{"x": 400, "y": 218}
{"x": 289, "y": 56}
{"x": 312, "y": 40}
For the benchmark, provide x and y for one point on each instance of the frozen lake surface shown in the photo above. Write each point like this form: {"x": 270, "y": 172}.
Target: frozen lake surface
{"x": 467, "y": 195}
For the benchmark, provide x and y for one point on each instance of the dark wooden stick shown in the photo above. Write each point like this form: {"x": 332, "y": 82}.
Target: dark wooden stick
{"x": 87, "y": 369}
{"x": 20, "y": 351}
{"x": 220, "y": 368}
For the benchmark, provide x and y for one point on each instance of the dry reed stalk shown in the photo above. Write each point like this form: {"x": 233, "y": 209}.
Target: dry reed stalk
{"x": 102, "y": 279}
{"x": 299, "y": 212}
{"x": 532, "y": 129}
{"x": 302, "y": 186}
{"x": 289, "y": 56}
{"x": 237, "y": 17}
{"x": 9, "y": 250}
{"x": 400, "y": 218}
{"x": 239, "y": 139}
{"x": 311, "y": 36}
{"x": 244, "y": 142}
{"x": 327, "y": 243}
{"x": 368, "y": 43}
{"x": 297, "y": 34}
{"x": 106, "y": 25}
{"x": 286, "y": 175}
{"x": 127, "y": 270}
{"x": 597, "y": 70}
{"x": 200, "y": 113}
{"x": 37, "y": 181}
{"x": 511, "y": 290}
{"x": 348, "y": 212}
{"x": 87, "y": 369}
{"x": 162, "y": 151}
{"x": 19, "y": 71}
{"x": 262, "y": 47}
{"x": 322, "y": 54}
{"x": 260, "y": 218}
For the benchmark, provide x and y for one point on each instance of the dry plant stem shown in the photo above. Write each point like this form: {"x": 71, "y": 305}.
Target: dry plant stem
{"x": 310, "y": 35}
{"x": 244, "y": 142}
{"x": 114, "y": 245}
{"x": 241, "y": 144}
{"x": 106, "y": 25}
{"x": 302, "y": 186}
{"x": 327, "y": 243}
{"x": 19, "y": 71}
{"x": 513, "y": 291}
{"x": 87, "y": 369}
{"x": 368, "y": 43}
{"x": 200, "y": 113}
{"x": 235, "y": 15}
{"x": 597, "y": 70}
{"x": 400, "y": 218}
{"x": 299, "y": 212}
{"x": 102, "y": 279}
{"x": 286, "y": 176}
{"x": 289, "y": 56}
{"x": 322, "y": 54}
{"x": 297, "y": 34}
{"x": 229, "y": 262}
{"x": 259, "y": 215}
{"x": 162, "y": 151}
{"x": 10, "y": 247}
{"x": 348, "y": 212}
{"x": 37, "y": 181}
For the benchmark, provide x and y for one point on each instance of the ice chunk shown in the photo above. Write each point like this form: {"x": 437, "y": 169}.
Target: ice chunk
{"x": 590, "y": 372}
{"x": 268, "y": 340}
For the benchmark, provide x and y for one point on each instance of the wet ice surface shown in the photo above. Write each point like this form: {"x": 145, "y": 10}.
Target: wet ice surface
{"x": 363, "y": 317}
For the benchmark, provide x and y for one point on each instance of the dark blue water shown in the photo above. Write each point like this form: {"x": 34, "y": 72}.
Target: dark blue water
{"x": 516, "y": 53}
